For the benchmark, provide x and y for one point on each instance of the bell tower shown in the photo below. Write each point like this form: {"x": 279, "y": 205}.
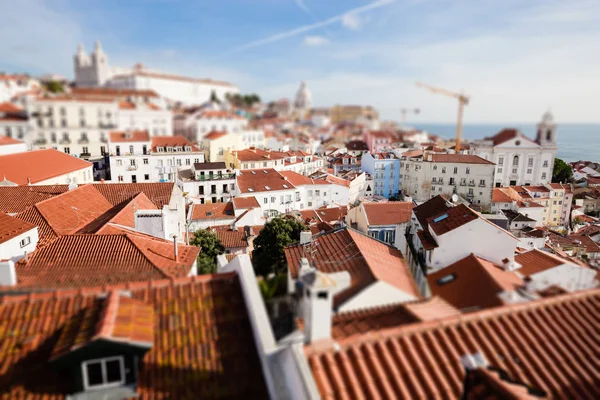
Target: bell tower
{"x": 546, "y": 131}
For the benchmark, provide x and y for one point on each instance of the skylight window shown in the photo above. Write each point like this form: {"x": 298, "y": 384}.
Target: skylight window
{"x": 253, "y": 172}
{"x": 285, "y": 186}
{"x": 446, "y": 279}
{"x": 268, "y": 188}
{"x": 250, "y": 190}
{"x": 266, "y": 172}
{"x": 208, "y": 213}
{"x": 440, "y": 218}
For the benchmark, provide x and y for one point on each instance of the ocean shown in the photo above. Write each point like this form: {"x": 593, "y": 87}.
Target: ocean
{"x": 575, "y": 141}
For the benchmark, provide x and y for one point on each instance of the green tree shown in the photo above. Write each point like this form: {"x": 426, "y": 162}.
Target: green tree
{"x": 268, "y": 255}
{"x": 214, "y": 98}
{"x": 210, "y": 248}
{"x": 55, "y": 87}
{"x": 562, "y": 172}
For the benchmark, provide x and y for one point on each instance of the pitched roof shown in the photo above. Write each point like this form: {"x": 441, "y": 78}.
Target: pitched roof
{"x": 203, "y": 340}
{"x": 5, "y": 141}
{"x": 504, "y": 136}
{"x": 459, "y": 159}
{"x": 500, "y": 196}
{"x": 256, "y": 154}
{"x": 232, "y": 238}
{"x": 11, "y": 227}
{"x": 8, "y": 107}
{"x": 73, "y": 261}
{"x": 39, "y": 165}
{"x": 14, "y": 199}
{"x": 355, "y": 145}
{"x": 126, "y": 137}
{"x": 158, "y": 192}
{"x": 545, "y": 344}
{"x": 433, "y": 206}
{"x": 451, "y": 219}
{"x": 535, "y": 261}
{"x": 242, "y": 203}
{"x": 391, "y": 213}
{"x": 297, "y": 179}
{"x": 171, "y": 141}
{"x": 366, "y": 260}
{"x": 587, "y": 242}
{"x": 116, "y": 93}
{"x": 66, "y": 213}
{"x": 262, "y": 180}
{"x": 213, "y": 135}
{"x": 209, "y": 165}
{"x": 331, "y": 214}
{"x": 472, "y": 282}
{"x": 212, "y": 211}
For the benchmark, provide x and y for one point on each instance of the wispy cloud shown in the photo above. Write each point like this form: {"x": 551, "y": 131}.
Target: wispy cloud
{"x": 311, "y": 27}
{"x": 303, "y": 7}
{"x": 315, "y": 41}
{"x": 352, "y": 21}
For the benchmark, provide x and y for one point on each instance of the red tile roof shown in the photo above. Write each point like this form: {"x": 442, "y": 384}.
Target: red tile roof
{"x": 504, "y": 136}
{"x": 11, "y": 227}
{"x": 331, "y": 214}
{"x": 499, "y": 196}
{"x": 535, "y": 261}
{"x": 366, "y": 260}
{"x": 5, "y": 141}
{"x": 255, "y": 154}
{"x": 158, "y": 192}
{"x": 587, "y": 242}
{"x": 473, "y": 282}
{"x": 427, "y": 241}
{"x": 115, "y": 93}
{"x": 547, "y": 344}
{"x": 213, "y": 135}
{"x": 202, "y": 341}
{"x": 455, "y": 218}
{"x": 431, "y": 207}
{"x": 242, "y": 203}
{"x": 66, "y": 213}
{"x": 217, "y": 211}
{"x": 171, "y": 141}
{"x": 232, "y": 238}
{"x": 39, "y": 165}
{"x": 257, "y": 180}
{"x": 9, "y": 108}
{"x": 459, "y": 159}
{"x": 391, "y": 213}
{"x": 74, "y": 261}
{"x": 14, "y": 199}
{"x": 126, "y": 137}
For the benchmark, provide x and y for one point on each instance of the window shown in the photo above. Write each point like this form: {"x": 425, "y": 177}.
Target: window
{"x": 443, "y": 170}
{"x": 132, "y": 162}
{"x": 297, "y": 196}
{"x": 317, "y": 193}
{"x": 388, "y": 236}
{"x": 554, "y": 212}
{"x": 131, "y": 149}
{"x": 179, "y": 162}
{"x": 374, "y": 234}
{"x": 451, "y": 181}
{"x": 63, "y": 123}
{"x": 120, "y": 178}
{"x": 147, "y": 177}
{"x": 515, "y": 161}
{"x": 67, "y": 150}
{"x": 500, "y": 160}
{"x": 545, "y": 164}
{"x": 119, "y": 163}
{"x": 529, "y": 170}
{"x": 266, "y": 200}
{"x": 456, "y": 170}
{"x": 468, "y": 170}
{"x": 102, "y": 373}
{"x": 85, "y": 150}
{"x": 514, "y": 170}
{"x": 187, "y": 161}
{"x": 554, "y": 202}
{"x": 530, "y": 162}
{"x": 560, "y": 202}
{"x": 273, "y": 199}
{"x": 196, "y": 160}
{"x": 446, "y": 279}
{"x": 145, "y": 161}
{"x": 220, "y": 151}
{"x": 169, "y": 149}
{"x": 310, "y": 203}
{"x": 435, "y": 167}
{"x": 482, "y": 182}
{"x": 544, "y": 175}
{"x": 25, "y": 241}
{"x": 471, "y": 191}
{"x": 499, "y": 170}
{"x": 53, "y": 137}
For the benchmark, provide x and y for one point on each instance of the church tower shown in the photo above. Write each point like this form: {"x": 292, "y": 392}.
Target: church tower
{"x": 100, "y": 65}
{"x": 303, "y": 101}
{"x": 81, "y": 63}
{"x": 546, "y": 131}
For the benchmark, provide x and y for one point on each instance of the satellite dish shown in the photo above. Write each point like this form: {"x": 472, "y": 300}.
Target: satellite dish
{"x": 454, "y": 198}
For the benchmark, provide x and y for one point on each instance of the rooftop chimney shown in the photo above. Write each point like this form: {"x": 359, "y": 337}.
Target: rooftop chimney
{"x": 317, "y": 302}
{"x": 8, "y": 275}
{"x": 175, "y": 249}
{"x": 474, "y": 361}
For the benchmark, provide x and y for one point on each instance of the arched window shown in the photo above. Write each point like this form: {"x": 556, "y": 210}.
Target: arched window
{"x": 549, "y": 135}
{"x": 515, "y": 161}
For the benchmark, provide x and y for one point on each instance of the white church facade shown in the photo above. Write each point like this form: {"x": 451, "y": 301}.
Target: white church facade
{"x": 94, "y": 70}
{"x": 520, "y": 160}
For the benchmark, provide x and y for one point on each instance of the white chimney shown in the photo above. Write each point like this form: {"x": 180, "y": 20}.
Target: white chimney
{"x": 8, "y": 275}
{"x": 175, "y": 248}
{"x": 474, "y": 361}
{"x": 305, "y": 237}
{"x": 317, "y": 303}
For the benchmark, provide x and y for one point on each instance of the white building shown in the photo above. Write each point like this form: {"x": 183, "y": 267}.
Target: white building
{"x": 301, "y": 162}
{"x": 13, "y": 85}
{"x": 217, "y": 146}
{"x": 207, "y": 182}
{"x": 520, "y": 160}
{"x": 74, "y": 125}
{"x": 95, "y": 70}
{"x": 430, "y": 174}
{"x": 9, "y": 145}
{"x": 137, "y": 157}
{"x": 316, "y": 193}
{"x": 14, "y": 122}
{"x": 195, "y": 123}
{"x": 18, "y": 238}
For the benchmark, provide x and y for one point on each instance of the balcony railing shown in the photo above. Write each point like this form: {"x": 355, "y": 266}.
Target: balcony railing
{"x": 203, "y": 178}
{"x": 132, "y": 168}
{"x": 482, "y": 185}
{"x": 472, "y": 183}
{"x": 463, "y": 183}
{"x": 85, "y": 155}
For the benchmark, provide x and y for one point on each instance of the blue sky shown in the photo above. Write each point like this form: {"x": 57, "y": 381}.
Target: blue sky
{"x": 515, "y": 58}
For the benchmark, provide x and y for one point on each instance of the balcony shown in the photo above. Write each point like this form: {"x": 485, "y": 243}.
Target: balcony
{"x": 205, "y": 178}
{"x": 85, "y": 155}
{"x": 83, "y": 141}
{"x": 463, "y": 183}
{"x": 65, "y": 141}
{"x": 472, "y": 183}
{"x": 470, "y": 196}
{"x": 40, "y": 141}
{"x": 132, "y": 168}
{"x": 104, "y": 125}
{"x": 482, "y": 185}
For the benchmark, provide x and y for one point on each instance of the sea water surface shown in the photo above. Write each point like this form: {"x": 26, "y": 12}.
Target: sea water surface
{"x": 575, "y": 141}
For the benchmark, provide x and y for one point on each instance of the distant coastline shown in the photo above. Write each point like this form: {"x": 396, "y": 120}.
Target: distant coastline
{"x": 575, "y": 141}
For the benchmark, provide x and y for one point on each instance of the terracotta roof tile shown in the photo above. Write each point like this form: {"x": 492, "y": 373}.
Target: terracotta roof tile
{"x": 366, "y": 260}
{"x": 202, "y": 340}
{"x": 74, "y": 261}
{"x": 212, "y": 211}
{"x": 9, "y": 108}
{"x": 500, "y": 196}
{"x": 472, "y": 282}
{"x": 232, "y": 238}
{"x": 242, "y": 203}
{"x": 39, "y": 165}
{"x": 427, "y": 241}
{"x": 451, "y": 219}
{"x": 11, "y": 227}
{"x": 331, "y": 214}
{"x": 255, "y": 154}
{"x": 535, "y": 261}
{"x": 5, "y": 141}
{"x": 158, "y": 192}
{"x": 213, "y": 135}
{"x": 504, "y": 136}
{"x": 431, "y": 207}
{"x": 544, "y": 344}
{"x": 391, "y": 213}
{"x": 115, "y": 93}
{"x": 459, "y": 159}
{"x": 126, "y": 137}
{"x": 587, "y": 242}
{"x": 258, "y": 180}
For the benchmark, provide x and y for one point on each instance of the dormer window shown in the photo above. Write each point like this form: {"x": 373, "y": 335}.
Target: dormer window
{"x": 103, "y": 373}
{"x": 169, "y": 149}
{"x": 160, "y": 149}
{"x": 188, "y": 148}
{"x": 179, "y": 148}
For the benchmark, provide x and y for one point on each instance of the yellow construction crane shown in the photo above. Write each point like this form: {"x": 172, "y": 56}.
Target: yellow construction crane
{"x": 405, "y": 111}
{"x": 462, "y": 101}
